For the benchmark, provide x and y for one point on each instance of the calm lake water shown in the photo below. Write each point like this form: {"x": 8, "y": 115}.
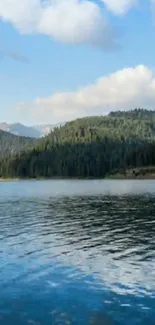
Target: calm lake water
{"x": 77, "y": 252}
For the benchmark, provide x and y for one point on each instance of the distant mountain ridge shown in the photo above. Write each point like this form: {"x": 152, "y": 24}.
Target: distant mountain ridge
{"x": 36, "y": 131}
{"x": 45, "y": 129}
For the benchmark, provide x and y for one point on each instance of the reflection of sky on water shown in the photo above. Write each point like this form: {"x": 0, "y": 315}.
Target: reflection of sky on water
{"x": 64, "y": 294}
{"x": 57, "y": 188}
{"x": 77, "y": 259}
{"x": 120, "y": 276}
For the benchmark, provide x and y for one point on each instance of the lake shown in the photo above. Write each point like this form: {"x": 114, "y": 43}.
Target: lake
{"x": 77, "y": 252}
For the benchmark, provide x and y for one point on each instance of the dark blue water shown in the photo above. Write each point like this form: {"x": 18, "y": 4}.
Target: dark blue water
{"x": 77, "y": 252}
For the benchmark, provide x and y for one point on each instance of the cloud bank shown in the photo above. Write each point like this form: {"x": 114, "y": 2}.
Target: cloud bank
{"x": 123, "y": 90}
{"x": 70, "y": 21}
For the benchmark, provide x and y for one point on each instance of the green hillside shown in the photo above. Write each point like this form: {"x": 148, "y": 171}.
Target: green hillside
{"x": 11, "y": 144}
{"x": 89, "y": 147}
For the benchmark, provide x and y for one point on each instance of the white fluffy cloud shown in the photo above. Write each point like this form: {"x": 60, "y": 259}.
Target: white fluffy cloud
{"x": 72, "y": 21}
{"x": 124, "y": 89}
{"x": 119, "y": 7}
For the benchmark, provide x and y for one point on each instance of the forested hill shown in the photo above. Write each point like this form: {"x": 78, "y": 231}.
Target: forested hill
{"x": 10, "y": 144}
{"x": 136, "y": 124}
{"x": 137, "y": 113}
{"x": 89, "y": 147}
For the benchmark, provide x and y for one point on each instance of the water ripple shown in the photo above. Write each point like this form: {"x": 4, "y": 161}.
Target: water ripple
{"x": 81, "y": 251}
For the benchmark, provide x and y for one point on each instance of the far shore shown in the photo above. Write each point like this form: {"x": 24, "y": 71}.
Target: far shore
{"x": 123, "y": 177}
{"x": 9, "y": 179}
{"x": 110, "y": 177}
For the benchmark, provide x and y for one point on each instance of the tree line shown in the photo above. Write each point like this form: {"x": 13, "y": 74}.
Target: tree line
{"x": 88, "y": 147}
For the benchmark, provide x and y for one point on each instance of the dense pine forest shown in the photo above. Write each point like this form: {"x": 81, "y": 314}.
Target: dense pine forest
{"x": 88, "y": 147}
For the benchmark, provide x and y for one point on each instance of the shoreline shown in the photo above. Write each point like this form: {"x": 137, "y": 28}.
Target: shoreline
{"x": 148, "y": 177}
{"x": 110, "y": 177}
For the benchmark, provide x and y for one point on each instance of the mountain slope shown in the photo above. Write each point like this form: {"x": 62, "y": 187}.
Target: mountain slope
{"x": 26, "y": 131}
{"x": 90, "y": 147}
{"x": 21, "y": 130}
{"x": 36, "y": 131}
{"x": 10, "y": 144}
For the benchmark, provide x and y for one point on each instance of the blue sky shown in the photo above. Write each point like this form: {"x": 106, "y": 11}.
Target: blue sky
{"x": 56, "y": 66}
